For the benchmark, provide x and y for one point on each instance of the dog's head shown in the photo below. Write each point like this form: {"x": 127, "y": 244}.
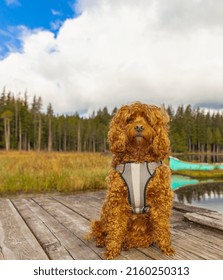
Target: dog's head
{"x": 140, "y": 128}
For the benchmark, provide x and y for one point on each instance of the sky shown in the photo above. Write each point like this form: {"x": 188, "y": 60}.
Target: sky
{"x": 87, "y": 54}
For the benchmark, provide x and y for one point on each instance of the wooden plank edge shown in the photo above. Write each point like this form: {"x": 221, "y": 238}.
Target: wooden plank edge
{"x": 189, "y": 208}
{"x": 204, "y": 220}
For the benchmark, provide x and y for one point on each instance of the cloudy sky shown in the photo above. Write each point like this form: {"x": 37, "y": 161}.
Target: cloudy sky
{"x": 86, "y": 54}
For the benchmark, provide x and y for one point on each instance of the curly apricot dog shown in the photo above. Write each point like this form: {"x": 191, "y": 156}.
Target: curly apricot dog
{"x": 136, "y": 211}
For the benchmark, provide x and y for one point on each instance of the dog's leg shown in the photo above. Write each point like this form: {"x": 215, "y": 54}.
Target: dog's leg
{"x": 138, "y": 232}
{"x": 161, "y": 231}
{"x": 98, "y": 232}
{"x": 160, "y": 198}
{"x": 117, "y": 212}
{"x": 116, "y": 230}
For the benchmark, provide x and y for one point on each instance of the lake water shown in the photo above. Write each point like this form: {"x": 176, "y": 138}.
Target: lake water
{"x": 207, "y": 158}
{"x": 206, "y": 194}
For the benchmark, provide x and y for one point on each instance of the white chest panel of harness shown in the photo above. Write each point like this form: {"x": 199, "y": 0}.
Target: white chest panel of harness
{"x": 136, "y": 177}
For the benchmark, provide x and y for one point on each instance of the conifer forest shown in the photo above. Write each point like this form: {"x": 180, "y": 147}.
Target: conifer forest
{"x": 24, "y": 126}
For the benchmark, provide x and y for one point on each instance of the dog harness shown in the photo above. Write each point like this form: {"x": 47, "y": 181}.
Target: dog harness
{"x": 136, "y": 177}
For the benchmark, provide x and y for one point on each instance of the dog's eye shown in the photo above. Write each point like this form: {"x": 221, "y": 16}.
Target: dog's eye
{"x": 130, "y": 120}
{"x": 148, "y": 121}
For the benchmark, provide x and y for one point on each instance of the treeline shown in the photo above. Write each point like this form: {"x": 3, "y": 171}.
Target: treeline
{"x": 194, "y": 130}
{"x": 24, "y": 126}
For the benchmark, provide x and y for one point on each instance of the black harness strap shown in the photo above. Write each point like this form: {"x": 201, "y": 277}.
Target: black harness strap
{"x": 136, "y": 177}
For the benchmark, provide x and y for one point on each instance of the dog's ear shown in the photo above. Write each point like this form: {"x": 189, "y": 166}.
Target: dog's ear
{"x": 161, "y": 143}
{"x": 116, "y": 133}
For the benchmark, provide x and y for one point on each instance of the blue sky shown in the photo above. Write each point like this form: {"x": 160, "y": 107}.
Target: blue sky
{"x": 17, "y": 15}
{"x": 113, "y": 52}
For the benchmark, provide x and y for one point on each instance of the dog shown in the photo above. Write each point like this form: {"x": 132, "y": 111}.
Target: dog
{"x": 137, "y": 208}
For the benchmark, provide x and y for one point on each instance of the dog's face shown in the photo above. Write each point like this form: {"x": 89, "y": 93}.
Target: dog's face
{"x": 140, "y": 128}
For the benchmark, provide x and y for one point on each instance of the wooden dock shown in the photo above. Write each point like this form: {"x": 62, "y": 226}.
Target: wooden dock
{"x": 53, "y": 226}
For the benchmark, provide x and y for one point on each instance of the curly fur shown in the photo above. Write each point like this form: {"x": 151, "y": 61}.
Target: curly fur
{"x": 118, "y": 227}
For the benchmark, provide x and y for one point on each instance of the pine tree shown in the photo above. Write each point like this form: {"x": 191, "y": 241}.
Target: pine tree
{"x": 218, "y": 140}
{"x": 7, "y": 117}
{"x": 50, "y": 115}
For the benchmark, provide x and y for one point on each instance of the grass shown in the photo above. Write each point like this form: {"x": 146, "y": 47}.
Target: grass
{"x": 199, "y": 174}
{"x": 31, "y": 172}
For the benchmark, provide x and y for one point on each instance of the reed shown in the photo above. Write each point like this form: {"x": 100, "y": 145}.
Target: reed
{"x": 31, "y": 172}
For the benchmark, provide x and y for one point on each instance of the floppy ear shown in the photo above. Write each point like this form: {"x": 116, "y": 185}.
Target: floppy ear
{"x": 161, "y": 142}
{"x": 116, "y": 133}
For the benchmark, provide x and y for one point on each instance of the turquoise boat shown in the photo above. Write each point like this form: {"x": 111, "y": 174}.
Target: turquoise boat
{"x": 176, "y": 165}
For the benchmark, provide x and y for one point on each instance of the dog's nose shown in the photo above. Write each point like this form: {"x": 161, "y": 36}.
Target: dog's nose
{"x": 139, "y": 128}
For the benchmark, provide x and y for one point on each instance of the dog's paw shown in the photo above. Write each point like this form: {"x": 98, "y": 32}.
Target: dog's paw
{"x": 169, "y": 251}
{"x": 100, "y": 244}
{"x": 108, "y": 256}
{"x": 111, "y": 254}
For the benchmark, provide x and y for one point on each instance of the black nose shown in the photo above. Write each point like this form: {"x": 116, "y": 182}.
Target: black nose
{"x": 139, "y": 128}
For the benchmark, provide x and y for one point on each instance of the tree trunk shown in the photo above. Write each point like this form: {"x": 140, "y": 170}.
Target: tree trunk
{"x": 94, "y": 145}
{"x": 79, "y": 138}
{"x": 25, "y": 141}
{"x": 39, "y": 134}
{"x": 7, "y": 133}
{"x": 16, "y": 121}
{"x": 189, "y": 144}
{"x": 65, "y": 140}
{"x": 35, "y": 144}
{"x": 50, "y": 135}
{"x": 85, "y": 146}
{"x": 104, "y": 146}
{"x": 20, "y": 135}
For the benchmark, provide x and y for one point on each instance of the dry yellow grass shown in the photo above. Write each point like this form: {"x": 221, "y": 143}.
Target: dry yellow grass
{"x": 30, "y": 172}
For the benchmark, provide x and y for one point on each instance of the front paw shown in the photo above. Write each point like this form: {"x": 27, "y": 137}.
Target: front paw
{"x": 111, "y": 253}
{"x": 169, "y": 251}
{"x": 100, "y": 243}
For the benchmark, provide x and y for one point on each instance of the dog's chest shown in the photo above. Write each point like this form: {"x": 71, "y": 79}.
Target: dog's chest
{"x": 136, "y": 177}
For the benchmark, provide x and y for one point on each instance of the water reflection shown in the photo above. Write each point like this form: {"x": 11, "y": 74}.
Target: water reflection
{"x": 178, "y": 181}
{"x": 207, "y": 158}
{"x": 206, "y": 195}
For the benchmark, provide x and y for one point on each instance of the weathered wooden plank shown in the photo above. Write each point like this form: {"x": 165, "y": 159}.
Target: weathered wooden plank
{"x": 183, "y": 234}
{"x": 71, "y": 228}
{"x": 99, "y": 195}
{"x": 96, "y": 197}
{"x": 46, "y": 238}
{"x": 77, "y": 204}
{"x": 16, "y": 240}
{"x": 204, "y": 236}
{"x": 66, "y": 238}
{"x": 180, "y": 253}
{"x": 71, "y": 202}
{"x": 85, "y": 205}
{"x": 196, "y": 246}
{"x": 71, "y": 219}
{"x": 154, "y": 253}
{"x": 135, "y": 254}
{"x": 189, "y": 208}
{"x": 76, "y": 223}
{"x": 64, "y": 215}
{"x": 59, "y": 224}
{"x": 213, "y": 220}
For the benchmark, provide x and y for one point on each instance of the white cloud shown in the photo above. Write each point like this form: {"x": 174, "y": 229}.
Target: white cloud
{"x": 55, "y": 12}
{"x": 116, "y": 52}
{"x": 12, "y": 2}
